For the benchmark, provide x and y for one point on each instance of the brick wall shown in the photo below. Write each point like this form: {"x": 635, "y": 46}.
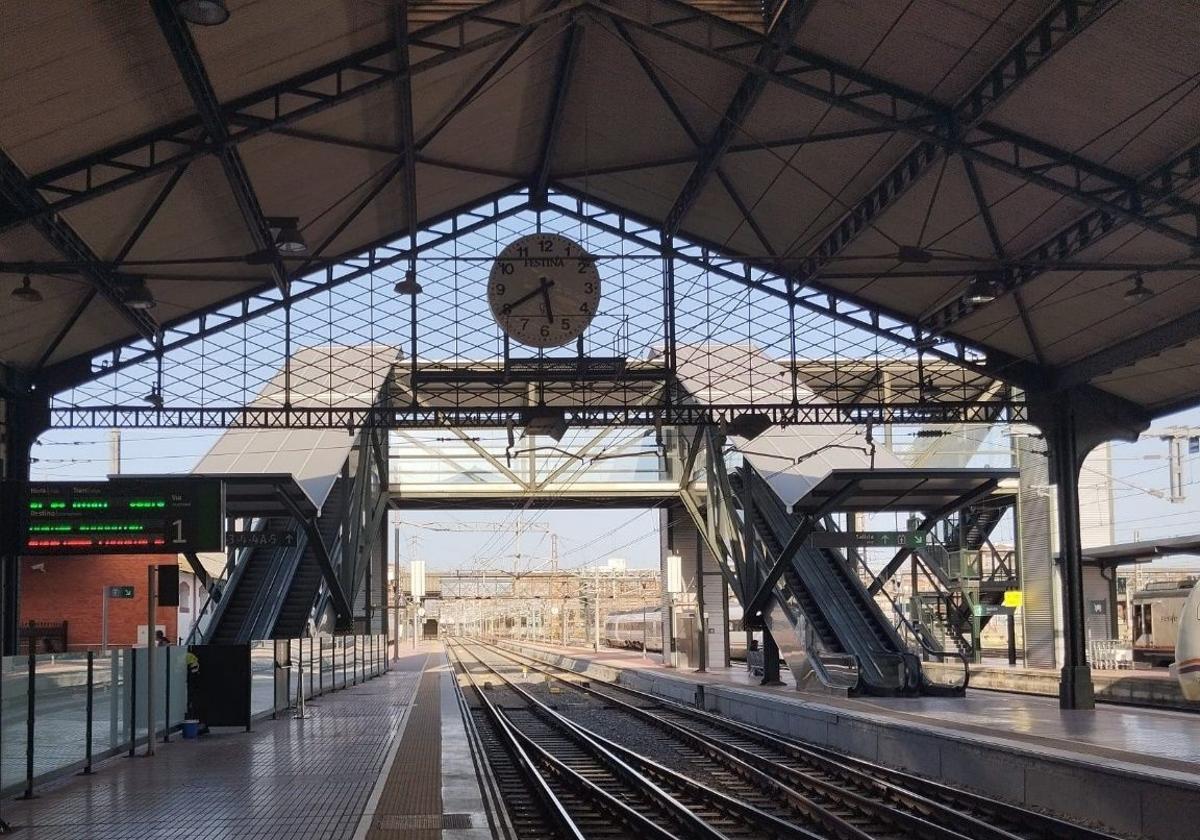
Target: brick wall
{"x": 69, "y": 590}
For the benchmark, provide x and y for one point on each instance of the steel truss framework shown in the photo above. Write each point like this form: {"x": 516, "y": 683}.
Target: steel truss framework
{"x": 793, "y": 280}
{"x": 734, "y": 342}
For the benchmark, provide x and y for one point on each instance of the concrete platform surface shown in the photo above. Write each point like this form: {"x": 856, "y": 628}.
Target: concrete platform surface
{"x": 323, "y": 778}
{"x": 1134, "y": 771}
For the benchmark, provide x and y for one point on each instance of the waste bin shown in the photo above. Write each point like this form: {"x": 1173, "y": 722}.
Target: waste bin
{"x": 191, "y": 729}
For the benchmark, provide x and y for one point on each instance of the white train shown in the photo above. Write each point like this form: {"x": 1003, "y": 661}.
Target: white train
{"x": 1187, "y": 647}
{"x": 628, "y": 629}
{"x": 1158, "y": 612}
{"x": 632, "y": 629}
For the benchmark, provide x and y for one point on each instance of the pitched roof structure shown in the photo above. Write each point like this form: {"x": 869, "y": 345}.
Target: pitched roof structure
{"x": 990, "y": 172}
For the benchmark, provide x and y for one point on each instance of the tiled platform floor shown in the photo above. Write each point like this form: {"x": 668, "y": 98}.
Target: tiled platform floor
{"x": 1150, "y": 737}
{"x": 287, "y": 779}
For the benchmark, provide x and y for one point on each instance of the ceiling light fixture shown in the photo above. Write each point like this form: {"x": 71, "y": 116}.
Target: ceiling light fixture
{"x": 154, "y": 398}
{"x": 136, "y": 295}
{"x": 26, "y": 293}
{"x": 409, "y": 285}
{"x": 982, "y": 289}
{"x": 203, "y": 12}
{"x": 288, "y": 238}
{"x": 1139, "y": 291}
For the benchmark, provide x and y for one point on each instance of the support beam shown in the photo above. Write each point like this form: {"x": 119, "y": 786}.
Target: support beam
{"x": 404, "y": 119}
{"x": 554, "y": 118}
{"x": 759, "y": 602}
{"x": 335, "y": 271}
{"x": 1130, "y": 351}
{"x": 288, "y": 102}
{"x": 1062, "y": 22}
{"x": 341, "y": 606}
{"x": 1172, "y": 178}
{"x": 420, "y": 417}
{"x": 204, "y": 97}
{"x": 23, "y": 197}
{"x": 788, "y": 17}
{"x": 879, "y": 102}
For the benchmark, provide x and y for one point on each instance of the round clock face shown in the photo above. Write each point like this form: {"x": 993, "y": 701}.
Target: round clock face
{"x": 544, "y": 290}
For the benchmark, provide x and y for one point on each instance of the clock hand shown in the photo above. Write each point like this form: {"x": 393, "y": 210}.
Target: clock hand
{"x": 543, "y": 285}
{"x": 546, "y": 297}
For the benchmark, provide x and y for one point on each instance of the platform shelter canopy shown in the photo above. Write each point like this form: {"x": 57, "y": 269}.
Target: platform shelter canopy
{"x": 1019, "y": 176}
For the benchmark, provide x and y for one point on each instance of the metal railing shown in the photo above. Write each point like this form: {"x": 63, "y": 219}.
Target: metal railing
{"x": 1110, "y": 654}
{"x": 62, "y": 712}
{"x": 287, "y": 672}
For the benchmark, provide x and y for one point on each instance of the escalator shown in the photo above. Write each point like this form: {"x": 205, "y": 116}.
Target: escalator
{"x": 247, "y": 610}
{"x": 819, "y": 584}
{"x": 281, "y": 592}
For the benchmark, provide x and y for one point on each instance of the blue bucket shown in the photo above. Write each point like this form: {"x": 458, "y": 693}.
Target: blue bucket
{"x": 191, "y": 729}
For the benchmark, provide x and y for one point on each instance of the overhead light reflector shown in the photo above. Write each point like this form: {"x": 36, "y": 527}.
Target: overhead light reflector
{"x": 1139, "y": 292}
{"x": 26, "y": 293}
{"x": 203, "y": 12}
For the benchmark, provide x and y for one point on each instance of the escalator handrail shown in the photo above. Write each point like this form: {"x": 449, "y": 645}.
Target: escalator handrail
{"x": 917, "y": 634}
{"x": 235, "y": 566}
{"x": 873, "y": 669}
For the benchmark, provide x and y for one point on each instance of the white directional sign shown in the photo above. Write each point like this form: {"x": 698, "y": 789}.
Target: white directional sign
{"x": 416, "y": 576}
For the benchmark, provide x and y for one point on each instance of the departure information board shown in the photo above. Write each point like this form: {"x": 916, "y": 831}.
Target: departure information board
{"x": 124, "y": 516}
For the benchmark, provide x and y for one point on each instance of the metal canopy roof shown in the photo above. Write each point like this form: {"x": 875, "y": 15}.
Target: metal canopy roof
{"x": 885, "y": 152}
{"x": 903, "y": 488}
{"x": 1140, "y": 552}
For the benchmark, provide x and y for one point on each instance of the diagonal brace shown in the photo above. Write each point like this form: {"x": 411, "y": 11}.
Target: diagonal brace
{"x": 341, "y": 605}
{"x": 931, "y": 519}
{"x": 759, "y": 602}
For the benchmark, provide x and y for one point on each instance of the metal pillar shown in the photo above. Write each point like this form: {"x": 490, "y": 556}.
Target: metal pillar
{"x": 25, "y": 417}
{"x": 1072, "y": 427}
{"x": 770, "y": 660}
{"x": 1075, "y": 689}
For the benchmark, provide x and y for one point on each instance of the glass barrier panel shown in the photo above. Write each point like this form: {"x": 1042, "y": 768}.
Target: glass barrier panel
{"x": 110, "y": 709}
{"x": 15, "y": 675}
{"x": 262, "y": 677}
{"x": 60, "y": 711}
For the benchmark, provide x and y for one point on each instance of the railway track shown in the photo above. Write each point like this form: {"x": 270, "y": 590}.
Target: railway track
{"x": 769, "y": 786}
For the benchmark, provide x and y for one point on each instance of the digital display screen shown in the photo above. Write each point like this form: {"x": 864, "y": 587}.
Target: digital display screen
{"x": 124, "y": 516}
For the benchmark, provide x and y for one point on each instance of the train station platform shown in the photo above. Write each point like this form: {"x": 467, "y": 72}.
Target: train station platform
{"x": 381, "y": 760}
{"x": 1128, "y": 770}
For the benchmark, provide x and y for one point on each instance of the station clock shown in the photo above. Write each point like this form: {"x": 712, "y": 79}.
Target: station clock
{"x": 544, "y": 290}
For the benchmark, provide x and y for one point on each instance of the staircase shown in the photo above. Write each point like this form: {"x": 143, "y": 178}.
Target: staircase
{"x": 959, "y": 579}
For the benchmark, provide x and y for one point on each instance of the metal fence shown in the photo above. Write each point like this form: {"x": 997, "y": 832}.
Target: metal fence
{"x": 280, "y": 669}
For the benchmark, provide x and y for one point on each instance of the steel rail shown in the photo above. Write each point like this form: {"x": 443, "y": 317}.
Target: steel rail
{"x": 620, "y": 810}
{"x": 524, "y": 750}
{"x": 646, "y": 768}
{"x": 897, "y": 786}
{"x": 740, "y": 759}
